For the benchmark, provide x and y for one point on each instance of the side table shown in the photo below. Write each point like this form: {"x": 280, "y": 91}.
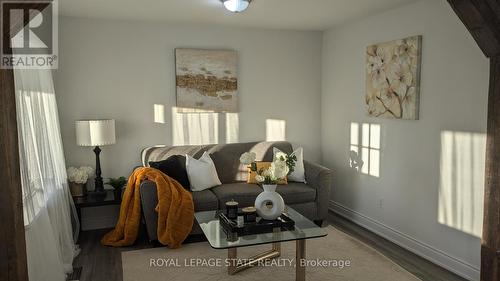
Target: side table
{"x": 92, "y": 200}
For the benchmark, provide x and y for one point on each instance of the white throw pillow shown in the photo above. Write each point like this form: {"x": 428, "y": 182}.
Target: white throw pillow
{"x": 201, "y": 173}
{"x": 299, "y": 172}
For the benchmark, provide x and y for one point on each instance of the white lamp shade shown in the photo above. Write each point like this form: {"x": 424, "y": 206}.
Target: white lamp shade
{"x": 95, "y": 132}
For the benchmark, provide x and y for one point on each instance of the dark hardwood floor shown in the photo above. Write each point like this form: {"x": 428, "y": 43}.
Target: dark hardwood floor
{"x": 101, "y": 263}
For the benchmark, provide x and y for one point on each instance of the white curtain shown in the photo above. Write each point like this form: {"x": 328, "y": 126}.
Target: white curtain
{"x": 49, "y": 212}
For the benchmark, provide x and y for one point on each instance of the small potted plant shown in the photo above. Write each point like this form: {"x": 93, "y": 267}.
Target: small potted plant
{"x": 78, "y": 178}
{"x": 117, "y": 184}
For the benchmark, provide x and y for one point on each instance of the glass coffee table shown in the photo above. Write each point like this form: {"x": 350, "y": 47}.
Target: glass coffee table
{"x": 304, "y": 229}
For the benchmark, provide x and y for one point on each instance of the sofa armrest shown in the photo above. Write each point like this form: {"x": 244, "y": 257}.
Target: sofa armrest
{"x": 125, "y": 186}
{"x": 319, "y": 178}
{"x": 149, "y": 200}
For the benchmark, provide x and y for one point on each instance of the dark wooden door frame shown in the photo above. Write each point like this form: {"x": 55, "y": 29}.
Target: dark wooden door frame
{"x": 13, "y": 260}
{"x": 13, "y": 265}
{"x": 482, "y": 19}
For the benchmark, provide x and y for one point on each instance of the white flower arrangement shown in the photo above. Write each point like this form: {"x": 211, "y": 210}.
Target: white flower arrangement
{"x": 247, "y": 158}
{"x": 275, "y": 173}
{"x": 281, "y": 155}
{"x": 260, "y": 178}
{"x": 80, "y": 175}
{"x": 279, "y": 169}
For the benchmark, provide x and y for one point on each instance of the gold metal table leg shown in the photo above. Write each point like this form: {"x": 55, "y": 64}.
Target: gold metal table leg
{"x": 300, "y": 255}
{"x": 235, "y": 266}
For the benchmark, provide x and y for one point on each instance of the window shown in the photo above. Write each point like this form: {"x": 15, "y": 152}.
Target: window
{"x": 365, "y": 148}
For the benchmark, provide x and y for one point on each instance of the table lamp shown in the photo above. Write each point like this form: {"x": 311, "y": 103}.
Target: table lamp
{"x": 96, "y": 133}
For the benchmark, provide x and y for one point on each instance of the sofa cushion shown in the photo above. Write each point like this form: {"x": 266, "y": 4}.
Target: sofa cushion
{"x": 205, "y": 201}
{"x": 225, "y": 156}
{"x": 201, "y": 172}
{"x": 295, "y": 192}
{"x": 162, "y": 152}
{"x": 264, "y": 150}
{"x": 243, "y": 193}
{"x": 174, "y": 167}
{"x": 227, "y": 161}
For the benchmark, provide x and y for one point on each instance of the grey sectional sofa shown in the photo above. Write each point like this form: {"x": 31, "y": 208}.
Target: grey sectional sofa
{"x": 310, "y": 199}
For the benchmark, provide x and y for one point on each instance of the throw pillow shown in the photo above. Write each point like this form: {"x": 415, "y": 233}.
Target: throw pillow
{"x": 174, "y": 167}
{"x": 201, "y": 173}
{"x": 299, "y": 173}
{"x": 261, "y": 166}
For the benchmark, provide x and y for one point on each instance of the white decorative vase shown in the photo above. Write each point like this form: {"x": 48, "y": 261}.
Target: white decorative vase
{"x": 269, "y": 204}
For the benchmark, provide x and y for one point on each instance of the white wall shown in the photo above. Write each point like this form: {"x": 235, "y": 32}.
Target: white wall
{"x": 404, "y": 203}
{"x": 118, "y": 69}
{"x": 115, "y": 69}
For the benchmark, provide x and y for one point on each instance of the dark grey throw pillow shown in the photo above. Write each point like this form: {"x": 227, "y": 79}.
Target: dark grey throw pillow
{"x": 174, "y": 167}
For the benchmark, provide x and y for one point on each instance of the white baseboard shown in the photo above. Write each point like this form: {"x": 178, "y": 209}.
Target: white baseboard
{"x": 420, "y": 248}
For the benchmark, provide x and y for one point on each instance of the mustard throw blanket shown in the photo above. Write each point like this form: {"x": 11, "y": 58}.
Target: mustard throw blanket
{"x": 175, "y": 211}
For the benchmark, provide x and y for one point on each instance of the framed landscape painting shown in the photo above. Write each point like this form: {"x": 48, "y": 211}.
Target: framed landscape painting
{"x": 393, "y": 78}
{"x": 207, "y": 79}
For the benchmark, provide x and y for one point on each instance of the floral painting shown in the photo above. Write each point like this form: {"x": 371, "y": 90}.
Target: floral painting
{"x": 207, "y": 79}
{"x": 393, "y": 78}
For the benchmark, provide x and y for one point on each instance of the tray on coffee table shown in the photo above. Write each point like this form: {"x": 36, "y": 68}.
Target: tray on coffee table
{"x": 241, "y": 228}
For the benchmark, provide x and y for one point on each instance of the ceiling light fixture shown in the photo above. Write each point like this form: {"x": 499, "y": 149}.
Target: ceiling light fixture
{"x": 236, "y": 6}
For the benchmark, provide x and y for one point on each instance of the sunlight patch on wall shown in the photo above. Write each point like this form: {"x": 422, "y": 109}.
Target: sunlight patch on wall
{"x": 275, "y": 130}
{"x": 364, "y": 154}
{"x": 194, "y": 126}
{"x": 159, "y": 113}
{"x": 461, "y": 187}
{"x": 232, "y": 127}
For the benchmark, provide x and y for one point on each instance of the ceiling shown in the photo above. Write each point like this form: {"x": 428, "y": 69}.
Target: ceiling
{"x": 274, "y": 14}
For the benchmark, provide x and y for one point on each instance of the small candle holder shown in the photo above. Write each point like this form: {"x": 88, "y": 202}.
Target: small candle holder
{"x": 249, "y": 214}
{"x": 232, "y": 210}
